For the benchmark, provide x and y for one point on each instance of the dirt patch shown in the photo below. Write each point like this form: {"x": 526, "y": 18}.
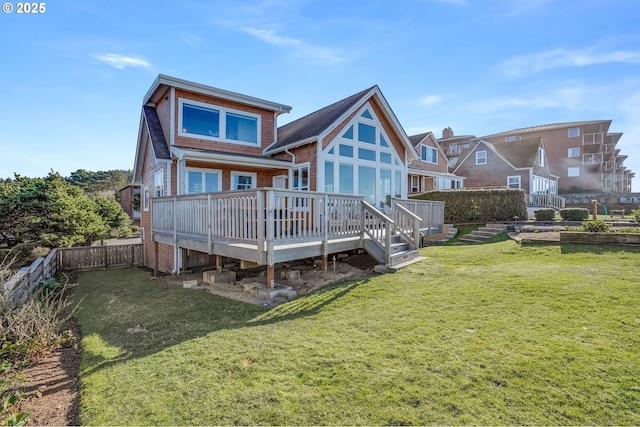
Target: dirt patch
{"x": 311, "y": 278}
{"x": 51, "y": 387}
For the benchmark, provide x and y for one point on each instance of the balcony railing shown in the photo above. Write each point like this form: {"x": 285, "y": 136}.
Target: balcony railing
{"x": 592, "y": 138}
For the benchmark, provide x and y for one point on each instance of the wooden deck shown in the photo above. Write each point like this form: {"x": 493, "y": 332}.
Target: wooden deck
{"x": 268, "y": 226}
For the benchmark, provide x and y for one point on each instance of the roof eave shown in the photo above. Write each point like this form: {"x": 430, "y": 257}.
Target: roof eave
{"x": 164, "y": 80}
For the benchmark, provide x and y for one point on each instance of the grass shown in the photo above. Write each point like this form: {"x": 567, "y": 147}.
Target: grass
{"x": 494, "y": 334}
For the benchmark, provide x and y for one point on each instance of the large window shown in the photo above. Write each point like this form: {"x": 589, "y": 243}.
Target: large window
{"x": 328, "y": 177}
{"x": 205, "y": 121}
{"x": 429, "y": 154}
{"x": 481, "y": 157}
{"x": 243, "y": 180}
{"x": 363, "y": 160}
{"x": 346, "y": 179}
{"x": 203, "y": 181}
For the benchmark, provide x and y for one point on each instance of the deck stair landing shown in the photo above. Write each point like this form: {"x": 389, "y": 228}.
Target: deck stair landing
{"x": 484, "y": 233}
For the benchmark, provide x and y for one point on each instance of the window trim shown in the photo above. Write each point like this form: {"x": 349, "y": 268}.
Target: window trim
{"x": 158, "y": 183}
{"x": 145, "y": 198}
{"x": 569, "y": 133}
{"x": 235, "y": 174}
{"x": 514, "y": 176}
{"x": 424, "y": 150}
{"x": 298, "y": 168}
{"x": 222, "y": 126}
{"x": 478, "y": 158}
{"x": 203, "y": 171}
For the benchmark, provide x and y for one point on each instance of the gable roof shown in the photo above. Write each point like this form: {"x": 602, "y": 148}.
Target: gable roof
{"x": 158, "y": 142}
{"x": 520, "y": 154}
{"x": 417, "y": 139}
{"x": 312, "y": 125}
{"x": 318, "y": 124}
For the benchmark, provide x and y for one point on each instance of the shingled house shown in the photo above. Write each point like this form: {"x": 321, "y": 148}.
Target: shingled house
{"x": 219, "y": 178}
{"x": 520, "y": 164}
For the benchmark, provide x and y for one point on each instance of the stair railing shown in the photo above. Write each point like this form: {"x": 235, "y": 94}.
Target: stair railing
{"x": 407, "y": 224}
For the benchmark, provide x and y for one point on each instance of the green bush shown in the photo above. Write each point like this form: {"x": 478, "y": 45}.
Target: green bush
{"x": 597, "y": 226}
{"x": 574, "y": 214}
{"x": 545, "y": 214}
{"x": 464, "y": 206}
{"x": 635, "y": 214}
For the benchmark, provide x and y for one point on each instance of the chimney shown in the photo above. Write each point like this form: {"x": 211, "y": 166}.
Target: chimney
{"x": 447, "y": 133}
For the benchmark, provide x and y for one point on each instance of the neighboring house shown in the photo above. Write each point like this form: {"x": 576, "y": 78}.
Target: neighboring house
{"x": 522, "y": 164}
{"x": 582, "y": 154}
{"x": 196, "y": 139}
{"x": 130, "y": 202}
{"x": 453, "y": 145}
{"x": 431, "y": 170}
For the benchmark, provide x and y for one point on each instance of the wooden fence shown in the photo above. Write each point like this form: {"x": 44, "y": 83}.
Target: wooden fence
{"x": 23, "y": 282}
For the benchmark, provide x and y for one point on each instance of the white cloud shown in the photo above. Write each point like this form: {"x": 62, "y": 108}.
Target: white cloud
{"x": 192, "y": 39}
{"x": 121, "y": 61}
{"x": 301, "y": 48}
{"x": 558, "y": 58}
{"x": 430, "y": 100}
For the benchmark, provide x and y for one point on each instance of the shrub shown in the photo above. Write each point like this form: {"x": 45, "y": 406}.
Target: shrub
{"x": 545, "y": 214}
{"x": 574, "y": 214}
{"x": 33, "y": 327}
{"x": 464, "y": 206}
{"x": 597, "y": 226}
{"x": 635, "y": 214}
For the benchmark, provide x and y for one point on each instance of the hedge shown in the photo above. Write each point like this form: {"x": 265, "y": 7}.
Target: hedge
{"x": 574, "y": 214}
{"x": 463, "y": 206}
{"x": 545, "y": 214}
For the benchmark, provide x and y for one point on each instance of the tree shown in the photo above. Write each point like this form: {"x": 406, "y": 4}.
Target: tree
{"x": 52, "y": 212}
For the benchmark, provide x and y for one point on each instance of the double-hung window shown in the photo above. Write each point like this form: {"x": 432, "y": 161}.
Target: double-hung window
{"x": 429, "y": 154}
{"x": 481, "y": 157}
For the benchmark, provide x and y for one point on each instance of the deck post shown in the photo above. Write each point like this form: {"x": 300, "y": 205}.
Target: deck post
{"x": 155, "y": 259}
{"x": 271, "y": 276}
{"x": 218, "y": 262}
{"x": 325, "y": 263}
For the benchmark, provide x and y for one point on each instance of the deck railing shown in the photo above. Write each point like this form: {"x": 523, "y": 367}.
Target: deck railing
{"x": 267, "y": 217}
{"x": 258, "y": 215}
{"x": 431, "y": 213}
{"x": 549, "y": 200}
{"x": 407, "y": 224}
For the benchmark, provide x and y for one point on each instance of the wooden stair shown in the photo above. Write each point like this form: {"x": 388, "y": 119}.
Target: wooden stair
{"x": 484, "y": 233}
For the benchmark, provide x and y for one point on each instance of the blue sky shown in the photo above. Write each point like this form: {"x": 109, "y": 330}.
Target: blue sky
{"x": 74, "y": 76}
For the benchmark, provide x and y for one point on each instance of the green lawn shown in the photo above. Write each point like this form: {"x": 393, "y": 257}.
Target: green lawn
{"x": 494, "y": 334}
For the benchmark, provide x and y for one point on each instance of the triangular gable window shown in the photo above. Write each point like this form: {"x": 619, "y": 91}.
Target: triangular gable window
{"x": 367, "y": 114}
{"x": 383, "y": 142}
{"x": 349, "y": 133}
{"x": 330, "y": 151}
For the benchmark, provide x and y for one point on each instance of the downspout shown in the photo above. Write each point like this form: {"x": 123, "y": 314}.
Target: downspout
{"x": 293, "y": 160}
